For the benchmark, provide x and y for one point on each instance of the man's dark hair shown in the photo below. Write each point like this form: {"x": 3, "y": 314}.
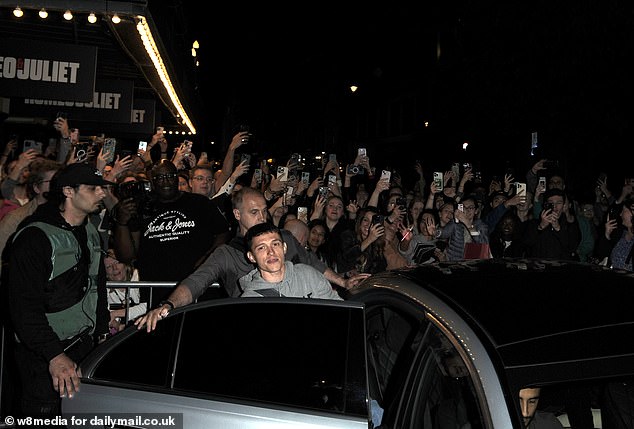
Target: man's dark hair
{"x": 259, "y": 229}
{"x": 552, "y": 192}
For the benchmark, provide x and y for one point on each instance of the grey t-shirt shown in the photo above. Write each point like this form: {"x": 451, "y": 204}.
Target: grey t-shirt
{"x": 229, "y": 262}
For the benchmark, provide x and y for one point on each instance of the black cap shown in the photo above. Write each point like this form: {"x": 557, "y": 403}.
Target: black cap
{"x": 79, "y": 174}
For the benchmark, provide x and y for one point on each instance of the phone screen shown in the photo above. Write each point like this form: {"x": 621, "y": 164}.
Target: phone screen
{"x": 142, "y": 145}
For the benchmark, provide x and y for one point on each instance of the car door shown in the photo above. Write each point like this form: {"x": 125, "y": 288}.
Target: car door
{"x": 418, "y": 371}
{"x": 247, "y": 363}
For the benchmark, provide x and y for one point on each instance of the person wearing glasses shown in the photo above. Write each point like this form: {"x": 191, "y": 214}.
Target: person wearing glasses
{"x": 201, "y": 180}
{"x": 172, "y": 234}
{"x": 466, "y": 228}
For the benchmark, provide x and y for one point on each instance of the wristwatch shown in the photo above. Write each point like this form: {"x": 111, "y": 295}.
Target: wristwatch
{"x": 168, "y": 302}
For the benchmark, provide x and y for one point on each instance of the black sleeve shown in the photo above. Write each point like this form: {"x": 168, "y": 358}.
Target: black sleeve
{"x": 29, "y": 268}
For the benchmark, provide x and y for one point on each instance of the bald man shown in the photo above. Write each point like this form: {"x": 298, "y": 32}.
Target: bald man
{"x": 299, "y": 230}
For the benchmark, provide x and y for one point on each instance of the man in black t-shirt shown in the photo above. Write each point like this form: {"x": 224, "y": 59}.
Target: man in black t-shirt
{"x": 176, "y": 231}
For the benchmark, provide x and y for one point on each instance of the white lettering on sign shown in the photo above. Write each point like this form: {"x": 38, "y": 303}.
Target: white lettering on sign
{"x": 100, "y": 100}
{"x": 38, "y": 70}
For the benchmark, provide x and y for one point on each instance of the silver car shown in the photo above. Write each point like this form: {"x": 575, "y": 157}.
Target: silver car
{"x": 440, "y": 346}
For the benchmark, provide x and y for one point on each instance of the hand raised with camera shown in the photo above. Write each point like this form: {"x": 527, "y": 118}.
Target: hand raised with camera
{"x": 61, "y": 126}
{"x": 375, "y": 231}
{"x": 610, "y": 227}
{"x": 121, "y": 165}
{"x": 238, "y": 140}
{"x": 124, "y": 211}
{"x": 314, "y": 185}
{"x": 333, "y": 166}
{"x": 508, "y": 179}
{"x": 549, "y": 216}
{"x": 318, "y": 207}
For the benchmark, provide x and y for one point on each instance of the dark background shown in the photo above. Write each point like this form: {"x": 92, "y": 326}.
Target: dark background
{"x": 489, "y": 73}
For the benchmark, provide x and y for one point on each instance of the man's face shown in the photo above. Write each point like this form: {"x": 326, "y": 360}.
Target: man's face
{"x": 165, "y": 182}
{"x": 267, "y": 252}
{"x": 528, "y": 403}
{"x": 558, "y": 204}
{"x": 556, "y": 182}
{"x": 87, "y": 199}
{"x": 201, "y": 182}
{"x": 253, "y": 211}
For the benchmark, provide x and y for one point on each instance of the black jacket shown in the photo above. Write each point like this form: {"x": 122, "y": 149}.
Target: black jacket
{"x": 32, "y": 295}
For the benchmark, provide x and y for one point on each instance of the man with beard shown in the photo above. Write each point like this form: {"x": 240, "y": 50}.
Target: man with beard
{"x": 57, "y": 290}
{"x": 169, "y": 237}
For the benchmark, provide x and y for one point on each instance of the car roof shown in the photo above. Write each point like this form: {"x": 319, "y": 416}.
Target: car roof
{"x": 557, "y": 316}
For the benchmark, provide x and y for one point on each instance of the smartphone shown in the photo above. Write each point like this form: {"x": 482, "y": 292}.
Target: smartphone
{"x": 361, "y": 151}
{"x": 142, "y": 145}
{"x": 455, "y": 168}
{"x": 258, "y": 175}
{"x": 246, "y": 157}
{"x": 438, "y": 180}
{"x": 378, "y": 219}
{"x": 459, "y": 208}
{"x": 332, "y": 157}
{"x": 160, "y": 130}
{"x": 548, "y": 206}
{"x": 520, "y": 189}
{"x": 323, "y": 191}
{"x": 401, "y": 202}
{"x": 109, "y": 146}
{"x": 386, "y": 174}
{"x": 332, "y": 179}
{"x": 288, "y": 195}
{"x": 542, "y": 182}
{"x": 62, "y": 115}
{"x": 282, "y": 174}
{"x": 306, "y": 178}
{"x": 302, "y": 214}
{"x": 32, "y": 144}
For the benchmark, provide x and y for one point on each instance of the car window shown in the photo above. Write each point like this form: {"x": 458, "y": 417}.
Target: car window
{"x": 607, "y": 403}
{"x": 125, "y": 363}
{"x": 443, "y": 392}
{"x": 416, "y": 376}
{"x": 291, "y": 354}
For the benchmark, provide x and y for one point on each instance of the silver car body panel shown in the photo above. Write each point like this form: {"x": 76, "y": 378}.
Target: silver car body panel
{"x": 197, "y": 413}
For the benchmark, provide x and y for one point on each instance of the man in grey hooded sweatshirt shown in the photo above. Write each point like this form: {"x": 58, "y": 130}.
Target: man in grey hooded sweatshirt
{"x": 273, "y": 276}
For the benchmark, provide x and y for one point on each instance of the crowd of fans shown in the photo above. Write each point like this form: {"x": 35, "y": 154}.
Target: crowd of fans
{"x": 359, "y": 220}
{"x": 309, "y": 228}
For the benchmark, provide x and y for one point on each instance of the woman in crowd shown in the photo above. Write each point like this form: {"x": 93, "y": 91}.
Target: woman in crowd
{"x": 422, "y": 247}
{"x": 317, "y": 238}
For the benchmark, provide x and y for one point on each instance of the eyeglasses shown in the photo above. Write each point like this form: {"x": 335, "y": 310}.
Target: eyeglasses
{"x": 167, "y": 176}
{"x": 203, "y": 178}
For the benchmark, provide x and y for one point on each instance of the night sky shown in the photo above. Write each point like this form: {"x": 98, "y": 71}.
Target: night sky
{"x": 563, "y": 69}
